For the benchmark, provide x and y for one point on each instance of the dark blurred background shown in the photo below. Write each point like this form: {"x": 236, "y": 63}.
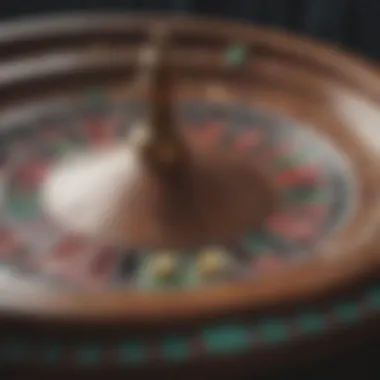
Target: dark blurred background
{"x": 354, "y": 24}
{"x": 351, "y": 24}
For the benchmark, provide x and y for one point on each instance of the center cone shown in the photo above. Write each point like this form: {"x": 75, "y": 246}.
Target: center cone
{"x": 152, "y": 190}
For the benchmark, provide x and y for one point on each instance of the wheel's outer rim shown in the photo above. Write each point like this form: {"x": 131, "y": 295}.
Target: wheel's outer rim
{"x": 316, "y": 277}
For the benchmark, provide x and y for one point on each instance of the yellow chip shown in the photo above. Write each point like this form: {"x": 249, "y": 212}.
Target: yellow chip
{"x": 164, "y": 265}
{"x": 212, "y": 262}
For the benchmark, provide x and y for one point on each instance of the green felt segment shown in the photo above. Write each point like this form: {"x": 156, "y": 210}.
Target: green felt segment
{"x": 273, "y": 331}
{"x": 236, "y": 55}
{"x": 51, "y": 354}
{"x": 347, "y": 312}
{"x": 57, "y": 148}
{"x": 96, "y": 98}
{"x": 144, "y": 279}
{"x": 89, "y": 354}
{"x": 16, "y": 350}
{"x": 311, "y": 322}
{"x": 23, "y": 207}
{"x": 373, "y": 298}
{"x": 175, "y": 347}
{"x": 191, "y": 276}
{"x": 258, "y": 243}
{"x": 304, "y": 195}
{"x": 226, "y": 338}
{"x": 287, "y": 162}
{"x": 133, "y": 352}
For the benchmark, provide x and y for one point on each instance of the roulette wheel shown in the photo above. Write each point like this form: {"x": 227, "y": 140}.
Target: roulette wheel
{"x": 183, "y": 195}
